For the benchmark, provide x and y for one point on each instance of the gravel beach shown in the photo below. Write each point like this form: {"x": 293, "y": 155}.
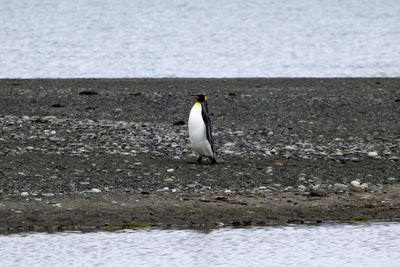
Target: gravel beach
{"x": 114, "y": 153}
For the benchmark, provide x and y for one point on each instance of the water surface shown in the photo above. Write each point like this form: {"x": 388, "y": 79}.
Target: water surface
{"x": 184, "y": 38}
{"x": 374, "y": 244}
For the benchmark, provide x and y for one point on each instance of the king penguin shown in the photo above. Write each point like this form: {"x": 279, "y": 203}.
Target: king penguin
{"x": 200, "y": 129}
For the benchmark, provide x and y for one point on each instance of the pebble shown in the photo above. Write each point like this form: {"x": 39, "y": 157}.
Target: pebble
{"x": 165, "y": 189}
{"x": 48, "y": 194}
{"x": 364, "y": 186}
{"x": 301, "y": 188}
{"x": 170, "y": 170}
{"x": 356, "y": 183}
{"x": 95, "y": 190}
{"x": 373, "y": 154}
{"x": 169, "y": 180}
{"x": 338, "y": 188}
{"x": 24, "y": 194}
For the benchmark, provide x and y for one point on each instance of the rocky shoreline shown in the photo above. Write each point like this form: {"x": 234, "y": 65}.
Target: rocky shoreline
{"x": 101, "y": 153}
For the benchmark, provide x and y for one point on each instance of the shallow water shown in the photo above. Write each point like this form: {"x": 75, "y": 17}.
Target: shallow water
{"x": 375, "y": 244}
{"x": 184, "y": 38}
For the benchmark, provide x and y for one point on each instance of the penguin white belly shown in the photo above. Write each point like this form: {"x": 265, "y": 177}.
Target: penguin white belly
{"x": 197, "y": 132}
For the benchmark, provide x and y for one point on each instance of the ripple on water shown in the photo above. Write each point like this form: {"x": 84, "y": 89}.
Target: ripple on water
{"x": 373, "y": 244}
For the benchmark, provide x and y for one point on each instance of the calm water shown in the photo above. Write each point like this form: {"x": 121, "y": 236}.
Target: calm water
{"x": 374, "y": 245}
{"x": 185, "y": 38}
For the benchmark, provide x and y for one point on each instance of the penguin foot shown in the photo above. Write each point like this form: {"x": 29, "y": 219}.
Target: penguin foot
{"x": 199, "y": 160}
{"x": 213, "y": 161}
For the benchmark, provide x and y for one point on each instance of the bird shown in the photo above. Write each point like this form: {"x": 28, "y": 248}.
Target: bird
{"x": 200, "y": 134}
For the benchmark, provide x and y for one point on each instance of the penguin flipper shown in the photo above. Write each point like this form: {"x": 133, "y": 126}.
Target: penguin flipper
{"x": 207, "y": 122}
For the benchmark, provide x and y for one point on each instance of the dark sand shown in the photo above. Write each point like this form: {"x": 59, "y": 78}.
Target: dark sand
{"x": 296, "y": 147}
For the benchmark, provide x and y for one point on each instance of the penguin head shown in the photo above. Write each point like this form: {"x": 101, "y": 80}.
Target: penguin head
{"x": 200, "y": 98}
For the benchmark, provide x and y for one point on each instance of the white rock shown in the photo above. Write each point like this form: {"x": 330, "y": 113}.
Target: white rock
{"x": 364, "y": 186}
{"x": 302, "y": 188}
{"x": 95, "y": 190}
{"x": 356, "y": 183}
{"x": 170, "y": 170}
{"x": 24, "y": 194}
{"x": 373, "y": 154}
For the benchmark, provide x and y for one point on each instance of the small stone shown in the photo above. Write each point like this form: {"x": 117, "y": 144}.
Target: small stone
{"x": 24, "y": 194}
{"x": 48, "y": 195}
{"x": 169, "y": 180}
{"x": 392, "y": 179}
{"x": 373, "y": 154}
{"x": 289, "y": 188}
{"x": 302, "y": 188}
{"x": 170, "y": 170}
{"x": 262, "y": 188}
{"x": 364, "y": 186}
{"x": 95, "y": 190}
{"x": 279, "y": 164}
{"x": 290, "y": 148}
{"x": 227, "y": 191}
{"x": 356, "y": 183}
{"x": 316, "y": 187}
{"x": 47, "y": 118}
{"x": 338, "y": 187}
{"x": 240, "y": 133}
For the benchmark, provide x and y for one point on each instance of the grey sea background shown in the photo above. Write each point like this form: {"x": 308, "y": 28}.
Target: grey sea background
{"x": 181, "y": 38}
